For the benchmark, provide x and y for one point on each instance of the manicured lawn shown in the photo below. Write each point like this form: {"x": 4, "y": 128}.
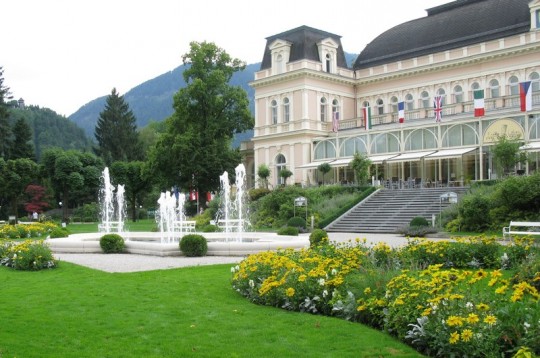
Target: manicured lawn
{"x": 73, "y": 311}
{"x": 141, "y": 225}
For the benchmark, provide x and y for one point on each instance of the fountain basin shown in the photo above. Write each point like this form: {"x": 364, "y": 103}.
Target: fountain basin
{"x": 149, "y": 243}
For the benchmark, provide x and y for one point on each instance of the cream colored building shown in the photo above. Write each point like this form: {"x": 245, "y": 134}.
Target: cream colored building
{"x": 462, "y": 46}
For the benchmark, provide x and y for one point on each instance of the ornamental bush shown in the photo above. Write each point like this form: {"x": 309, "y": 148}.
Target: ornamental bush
{"x": 419, "y": 221}
{"x": 193, "y": 245}
{"x": 297, "y": 222}
{"x": 112, "y": 243}
{"x": 317, "y": 237}
{"x": 28, "y": 255}
{"x": 288, "y": 230}
{"x": 59, "y": 232}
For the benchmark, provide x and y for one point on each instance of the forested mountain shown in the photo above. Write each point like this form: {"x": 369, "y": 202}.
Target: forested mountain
{"x": 49, "y": 129}
{"x": 153, "y": 99}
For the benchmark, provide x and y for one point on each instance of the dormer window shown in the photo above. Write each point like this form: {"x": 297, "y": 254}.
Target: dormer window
{"x": 280, "y": 51}
{"x": 328, "y": 54}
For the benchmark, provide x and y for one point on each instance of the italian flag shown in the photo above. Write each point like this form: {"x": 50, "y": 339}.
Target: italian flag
{"x": 478, "y": 103}
{"x": 367, "y": 117}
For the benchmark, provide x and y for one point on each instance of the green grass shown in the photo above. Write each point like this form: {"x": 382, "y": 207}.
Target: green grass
{"x": 73, "y": 311}
{"x": 141, "y": 225}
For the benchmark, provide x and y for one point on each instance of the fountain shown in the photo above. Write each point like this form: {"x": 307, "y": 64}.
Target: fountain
{"x": 171, "y": 218}
{"x": 233, "y": 205}
{"x": 234, "y": 241}
{"x": 113, "y": 207}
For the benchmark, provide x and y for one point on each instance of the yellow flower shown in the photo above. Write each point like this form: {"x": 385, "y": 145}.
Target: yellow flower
{"x": 501, "y": 290}
{"x": 473, "y": 318}
{"x": 367, "y": 290}
{"x": 490, "y": 319}
{"x": 466, "y": 335}
{"x": 361, "y": 308}
{"x": 427, "y": 312}
{"x": 482, "y": 307}
{"x": 290, "y": 292}
{"x": 302, "y": 278}
{"x": 454, "y": 321}
{"x": 454, "y": 338}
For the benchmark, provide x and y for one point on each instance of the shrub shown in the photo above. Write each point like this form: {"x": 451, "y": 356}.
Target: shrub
{"x": 297, "y": 222}
{"x": 210, "y": 228}
{"x": 256, "y": 194}
{"x": 112, "y": 243}
{"x": 288, "y": 230}
{"x": 59, "y": 232}
{"x": 416, "y": 231}
{"x": 193, "y": 245}
{"x": 317, "y": 237}
{"x": 28, "y": 255}
{"x": 419, "y": 221}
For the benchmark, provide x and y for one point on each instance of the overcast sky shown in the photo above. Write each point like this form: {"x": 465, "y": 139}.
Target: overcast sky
{"x": 61, "y": 54}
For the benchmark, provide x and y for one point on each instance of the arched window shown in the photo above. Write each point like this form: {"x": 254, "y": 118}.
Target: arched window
{"x": 494, "y": 88}
{"x": 393, "y": 104}
{"x": 353, "y": 145}
{"x": 535, "y": 79}
{"x": 419, "y": 139}
{"x": 328, "y": 62}
{"x": 513, "y": 86}
{"x": 409, "y": 102}
{"x": 324, "y": 149}
{"x": 384, "y": 143}
{"x": 323, "y": 109}
{"x": 458, "y": 94}
{"x": 442, "y": 93}
{"x": 281, "y": 163}
{"x": 335, "y": 109}
{"x": 424, "y": 98}
{"x": 380, "y": 106}
{"x": 460, "y": 135}
{"x": 273, "y": 108}
{"x": 286, "y": 110}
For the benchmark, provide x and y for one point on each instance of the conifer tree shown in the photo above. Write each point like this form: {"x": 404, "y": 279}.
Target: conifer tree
{"x": 116, "y": 131}
{"x": 22, "y": 135}
{"x": 5, "y": 130}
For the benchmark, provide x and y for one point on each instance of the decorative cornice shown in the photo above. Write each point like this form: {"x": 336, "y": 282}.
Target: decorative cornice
{"x": 288, "y": 76}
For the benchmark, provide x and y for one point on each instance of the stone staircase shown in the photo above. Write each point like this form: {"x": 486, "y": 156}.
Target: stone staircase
{"x": 387, "y": 210}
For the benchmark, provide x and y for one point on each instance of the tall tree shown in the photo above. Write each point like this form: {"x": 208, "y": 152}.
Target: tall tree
{"x": 116, "y": 131}
{"x": 5, "y": 130}
{"x": 361, "y": 164}
{"x": 507, "y": 154}
{"x": 17, "y": 174}
{"x": 22, "y": 135}
{"x": 196, "y": 148}
{"x": 71, "y": 174}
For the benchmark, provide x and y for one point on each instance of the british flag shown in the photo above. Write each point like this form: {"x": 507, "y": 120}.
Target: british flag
{"x": 437, "y": 105}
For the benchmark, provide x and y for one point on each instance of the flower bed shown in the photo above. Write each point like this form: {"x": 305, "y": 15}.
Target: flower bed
{"x": 23, "y": 231}
{"x": 445, "y": 298}
{"x": 28, "y": 255}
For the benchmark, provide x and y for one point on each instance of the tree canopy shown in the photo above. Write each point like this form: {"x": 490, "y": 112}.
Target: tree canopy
{"x": 196, "y": 147}
{"x": 5, "y": 130}
{"x": 116, "y": 131}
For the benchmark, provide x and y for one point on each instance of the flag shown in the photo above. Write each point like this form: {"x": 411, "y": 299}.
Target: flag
{"x": 335, "y": 121}
{"x": 193, "y": 195}
{"x": 479, "y": 103}
{"x": 525, "y": 96}
{"x": 401, "y": 111}
{"x": 437, "y": 105}
{"x": 367, "y": 117}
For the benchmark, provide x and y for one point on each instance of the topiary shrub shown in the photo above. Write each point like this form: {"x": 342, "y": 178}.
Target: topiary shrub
{"x": 193, "y": 245}
{"x": 419, "y": 221}
{"x": 318, "y": 237}
{"x": 112, "y": 243}
{"x": 288, "y": 230}
{"x": 297, "y": 222}
{"x": 58, "y": 232}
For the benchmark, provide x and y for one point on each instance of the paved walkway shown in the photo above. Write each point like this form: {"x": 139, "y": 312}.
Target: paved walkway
{"x": 133, "y": 262}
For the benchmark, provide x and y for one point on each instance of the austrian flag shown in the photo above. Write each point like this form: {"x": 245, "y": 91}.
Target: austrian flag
{"x": 479, "y": 103}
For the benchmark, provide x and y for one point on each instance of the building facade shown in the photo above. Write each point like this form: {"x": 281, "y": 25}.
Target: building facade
{"x": 311, "y": 107}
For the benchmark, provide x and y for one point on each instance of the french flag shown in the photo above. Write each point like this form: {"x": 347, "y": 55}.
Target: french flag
{"x": 401, "y": 111}
{"x": 525, "y": 96}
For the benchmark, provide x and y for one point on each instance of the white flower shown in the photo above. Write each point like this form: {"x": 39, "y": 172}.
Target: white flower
{"x": 321, "y": 281}
{"x": 334, "y": 272}
{"x": 527, "y": 326}
{"x": 251, "y": 283}
{"x": 469, "y": 305}
{"x": 324, "y": 293}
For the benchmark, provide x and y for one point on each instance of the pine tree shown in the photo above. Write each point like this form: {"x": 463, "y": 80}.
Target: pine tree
{"x": 22, "y": 135}
{"x": 5, "y": 130}
{"x": 116, "y": 131}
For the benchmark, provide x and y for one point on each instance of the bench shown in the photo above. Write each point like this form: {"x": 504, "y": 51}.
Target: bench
{"x": 231, "y": 223}
{"x": 521, "y": 228}
{"x": 113, "y": 226}
{"x": 186, "y": 225}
